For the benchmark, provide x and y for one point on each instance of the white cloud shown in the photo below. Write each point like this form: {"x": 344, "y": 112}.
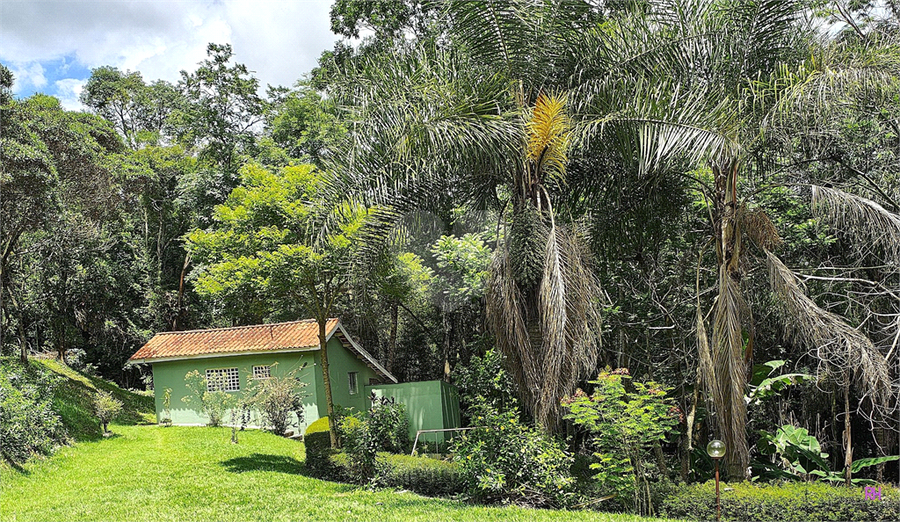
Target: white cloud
{"x": 68, "y": 91}
{"x": 278, "y": 40}
{"x": 27, "y": 76}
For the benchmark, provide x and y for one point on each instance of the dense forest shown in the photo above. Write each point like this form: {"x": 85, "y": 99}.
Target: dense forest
{"x": 509, "y": 195}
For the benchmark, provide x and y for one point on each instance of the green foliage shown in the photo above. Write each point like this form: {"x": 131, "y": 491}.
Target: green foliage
{"x": 28, "y": 424}
{"x": 776, "y": 502}
{"x": 763, "y": 386}
{"x": 625, "y": 420}
{"x": 106, "y": 407}
{"x": 463, "y": 264}
{"x": 317, "y": 440}
{"x": 360, "y": 445}
{"x": 423, "y": 475}
{"x": 263, "y": 478}
{"x": 277, "y": 399}
{"x": 508, "y": 460}
{"x": 214, "y": 404}
{"x": 484, "y": 381}
{"x": 389, "y": 425}
{"x": 800, "y": 456}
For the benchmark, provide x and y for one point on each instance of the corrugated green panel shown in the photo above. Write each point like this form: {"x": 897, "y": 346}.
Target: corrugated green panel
{"x": 431, "y": 405}
{"x": 171, "y": 375}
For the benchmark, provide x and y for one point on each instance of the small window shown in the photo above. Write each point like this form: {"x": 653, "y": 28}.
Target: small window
{"x": 354, "y": 382}
{"x": 262, "y": 372}
{"x": 223, "y": 379}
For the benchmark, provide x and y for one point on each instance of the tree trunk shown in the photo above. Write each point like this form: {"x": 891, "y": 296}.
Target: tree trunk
{"x": 392, "y": 340}
{"x": 326, "y": 381}
{"x": 848, "y": 448}
{"x": 448, "y": 340}
{"x": 176, "y": 323}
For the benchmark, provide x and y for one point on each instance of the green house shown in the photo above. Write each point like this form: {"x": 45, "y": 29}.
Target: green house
{"x": 243, "y": 353}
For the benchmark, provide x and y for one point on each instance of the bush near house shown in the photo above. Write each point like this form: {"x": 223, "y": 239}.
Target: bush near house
{"x": 776, "y": 502}
{"x": 318, "y": 447}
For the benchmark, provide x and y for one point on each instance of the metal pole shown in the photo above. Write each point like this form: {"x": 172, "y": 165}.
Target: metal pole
{"x": 718, "y": 505}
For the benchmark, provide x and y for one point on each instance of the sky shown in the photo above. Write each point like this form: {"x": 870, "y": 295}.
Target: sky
{"x": 51, "y": 46}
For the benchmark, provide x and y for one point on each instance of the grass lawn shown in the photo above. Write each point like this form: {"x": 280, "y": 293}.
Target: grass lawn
{"x": 155, "y": 473}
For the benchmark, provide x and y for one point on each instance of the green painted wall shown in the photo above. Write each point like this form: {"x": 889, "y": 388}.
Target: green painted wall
{"x": 340, "y": 363}
{"x": 170, "y": 374}
{"x": 430, "y": 405}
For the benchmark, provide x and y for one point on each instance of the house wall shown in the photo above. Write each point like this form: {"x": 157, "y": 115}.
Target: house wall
{"x": 171, "y": 374}
{"x": 430, "y": 405}
{"x": 340, "y": 363}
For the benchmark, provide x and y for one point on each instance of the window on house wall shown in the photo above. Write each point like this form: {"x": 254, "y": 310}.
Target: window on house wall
{"x": 262, "y": 372}
{"x": 223, "y": 379}
{"x": 353, "y": 377}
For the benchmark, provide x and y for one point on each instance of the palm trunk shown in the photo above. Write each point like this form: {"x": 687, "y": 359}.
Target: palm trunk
{"x": 326, "y": 381}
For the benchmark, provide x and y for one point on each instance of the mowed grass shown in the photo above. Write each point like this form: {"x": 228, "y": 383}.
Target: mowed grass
{"x": 156, "y": 473}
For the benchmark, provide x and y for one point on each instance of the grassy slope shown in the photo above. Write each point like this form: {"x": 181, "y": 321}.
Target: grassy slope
{"x": 156, "y": 473}
{"x": 73, "y": 401}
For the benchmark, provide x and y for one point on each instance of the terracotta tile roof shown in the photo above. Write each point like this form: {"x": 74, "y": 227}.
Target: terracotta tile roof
{"x": 295, "y": 335}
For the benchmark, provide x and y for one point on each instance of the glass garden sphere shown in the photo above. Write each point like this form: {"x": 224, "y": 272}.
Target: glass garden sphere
{"x": 716, "y": 449}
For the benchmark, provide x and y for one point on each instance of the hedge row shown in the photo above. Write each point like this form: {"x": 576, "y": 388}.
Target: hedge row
{"x": 787, "y": 501}
{"x": 422, "y": 475}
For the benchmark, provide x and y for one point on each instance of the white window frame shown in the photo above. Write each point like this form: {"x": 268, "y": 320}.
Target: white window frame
{"x": 353, "y": 381}
{"x": 262, "y": 372}
{"x": 231, "y": 376}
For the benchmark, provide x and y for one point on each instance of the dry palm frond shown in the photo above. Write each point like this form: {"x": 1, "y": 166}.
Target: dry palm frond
{"x": 863, "y": 220}
{"x": 505, "y": 315}
{"x": 551, "y": 338}
{"x": 731, "y": 372}
{"x": 830, "y": 339}
{"x": 707, "y": 372}
{"x": 548, "y": 132}
{"x": 756, "y": 224}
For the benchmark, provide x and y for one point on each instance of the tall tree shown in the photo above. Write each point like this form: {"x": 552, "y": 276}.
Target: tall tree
{"x": 278, "y": 252}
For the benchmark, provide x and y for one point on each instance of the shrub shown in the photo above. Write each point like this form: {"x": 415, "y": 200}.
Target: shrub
{"x": 106, "y": 407}
{"x": 485, "y": 381}
{"x": 625, "y": 422}
{"x": 422, "y": 475}
{"x": 166, "y": 419}
{"x": 213, "y": 403}
{"x": 787, "y": 501}
{"x": 508, "y": 460}
{"x": 389, "y": 425}
{"x": 317, "y": 440}
{"x": 359, "y": 444}
{"x": 28, "y": 423}
{"x": 277, "y": 398}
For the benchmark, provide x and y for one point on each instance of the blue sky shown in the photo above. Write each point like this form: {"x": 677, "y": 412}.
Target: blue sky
{"x": 51, "y": 46}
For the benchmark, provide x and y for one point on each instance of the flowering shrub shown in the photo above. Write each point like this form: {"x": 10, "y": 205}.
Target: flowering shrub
{"x": 510, "y": 461}
{"x": 625, "y": 420}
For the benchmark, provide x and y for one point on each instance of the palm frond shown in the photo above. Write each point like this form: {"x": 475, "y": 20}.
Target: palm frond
{"x": 731, "y": 372}
{"x": 829, "y": 338}
{"x": 865, "y": 222}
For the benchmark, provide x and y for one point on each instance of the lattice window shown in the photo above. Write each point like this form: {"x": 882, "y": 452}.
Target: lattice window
{"x": 223, "y": 379}
{"x": 262, "y": 372}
